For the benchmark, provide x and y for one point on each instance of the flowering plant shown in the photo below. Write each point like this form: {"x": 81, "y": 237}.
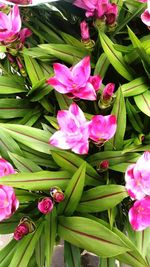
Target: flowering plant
{"x": 74, "y": 131}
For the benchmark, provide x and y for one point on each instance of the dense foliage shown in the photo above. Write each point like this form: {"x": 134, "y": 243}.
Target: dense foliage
{"x": 74, "y": 123}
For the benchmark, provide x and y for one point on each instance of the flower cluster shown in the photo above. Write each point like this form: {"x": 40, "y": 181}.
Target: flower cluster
{"x": 8, "y": 201}
{"x": 99, "y": 9}
{"x": 46, "y": 204}
{"x": 137, "y": 179}
{"x": 10, "y": 29}
{"x": 75, "y": 131}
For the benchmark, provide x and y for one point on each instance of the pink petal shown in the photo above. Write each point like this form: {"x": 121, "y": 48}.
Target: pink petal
{"x": 139, "y": 214}
{"x": 25, "y": 33}
{"x": 96, "y": 81}
{"x": 77, "y": 113}
{"x": 61, "y": 88}
{"x": 81, "y": 148}
{"x": 66, "y": 121}
{"x": 63, "y": 74}
{"x": 86, "y": 92}
{"x": 59, "y": 139}
{"x": 102, "y": 128}
{"x": 145, "y": 17}
{"x": 81, "y": 71}
{"x": 15, "y": 19}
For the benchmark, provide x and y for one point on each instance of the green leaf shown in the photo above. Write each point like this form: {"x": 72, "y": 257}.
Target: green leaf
{"x": 143, "y": 102}
{"x": 50, "y": 235}
{"x": 115, "y": 57}
{"x": 8, "y": 144}
{"x": 43, "y": 180}
{"x": 140, "y": 49}
{"x": 107, "y": 262}
{"x": 90, "y": 235}
{"x": 31, "y": 137}
{"x": 135, "y": 87}
{"x": 143, "y": 241}
{"x": 134, "y": 117}
{"x": 133, "y": 257}
{"x": 67, "y": 53}
{"x": 9, "y": 85}
{"x": 25, "y": 248}
{"x": 119, "y": 110}
{"x": 73, "y": 192}
{"x": 7, "y": 252}
{"x": 102, "y": 65}
{"x": 39, "y": 252}
{"x": 63, "y": 101}
{"x": 71, "y": 255}
{"x": 101, "y": 198}
{"x": 113, "y": 157}
{"x": 72, "y": 162}
{"x": 23, "y": 164}
{"x": 13, "y": 108}
{"x": 31, "y": 64}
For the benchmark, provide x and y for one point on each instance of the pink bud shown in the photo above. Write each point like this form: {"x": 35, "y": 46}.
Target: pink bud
{"x": 84, "y": 31}
{"x": 104, "y": 164}
{"x": 20, "y": 231}
{"x": 57, "y": 194}
{"x": 45, "y": 205}
{"x": 108, "y": 91}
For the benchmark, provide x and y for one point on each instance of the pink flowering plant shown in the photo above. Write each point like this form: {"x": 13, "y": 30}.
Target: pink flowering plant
{"x": 74, "y": 131}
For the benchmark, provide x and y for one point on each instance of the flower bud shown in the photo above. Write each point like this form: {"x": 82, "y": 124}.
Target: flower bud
{"x": 107, "y": 96}
{"x": 45, "y": 205}
{"x": 57, "y": 194}
{"x": 25, "y": 227}
{"x": 103, "y": 166}
{"x": 84, "y": 31}
{"x": 20, "y": 231}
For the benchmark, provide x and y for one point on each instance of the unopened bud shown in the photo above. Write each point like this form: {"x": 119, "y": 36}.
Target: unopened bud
{"x": 25, "y": 227}
{"x": 45, "y": 205}
{"x": 57, "y": 194}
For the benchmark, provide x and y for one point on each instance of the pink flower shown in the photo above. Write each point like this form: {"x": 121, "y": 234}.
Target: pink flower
{"x": 45, "y": 205}
{"x": 5, "y": 168}
{"x": 108, "y": 91}
{"x": 145, "y": 16}
{"x": 21, "y": 230}
{"x": 99, "y": 9}
{"x": 102, "y": 128}
{"x": 137, "y": 177}
{"x": 139, "y": 214}
{"x": 104, "y": 164}
{"x": 74, "y": 130}
{"x": 84, "y": 31}
{"x": 8, "y": 202}
{"x": 76, "y": 81}
{"x": 10, "y": 25}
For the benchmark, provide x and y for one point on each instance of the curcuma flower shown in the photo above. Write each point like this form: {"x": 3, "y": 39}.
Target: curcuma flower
{"x": 5, "y": 168}
{"x": 137, "y": 177}
{"x": 145, "y": 17}
{"x": 8, "y": 201}
{"x": 76, "y": 82}
{"x": 45, "y": 205}
{"x": 100, "y": 9}
{"x": 10, "y": 25}
{"x": 10, "y": 28}
{"x": 139, "y": 214}
{"x": 102, "y": 128}
{"x": 74, "y": 130}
